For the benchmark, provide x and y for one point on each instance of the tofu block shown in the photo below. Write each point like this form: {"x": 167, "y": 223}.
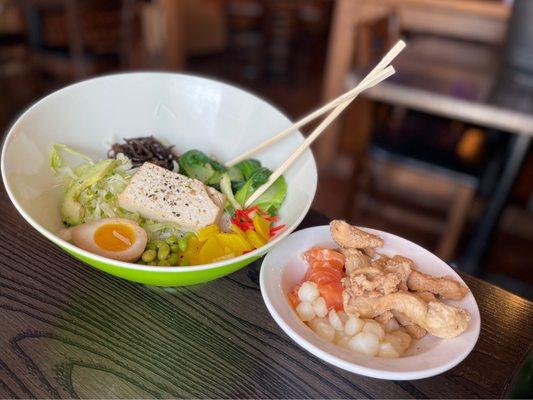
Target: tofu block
{"x": 162, "y": 195}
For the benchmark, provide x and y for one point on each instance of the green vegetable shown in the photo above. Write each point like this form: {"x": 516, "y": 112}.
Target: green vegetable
{"x": 149, "y": 255}
{"x": 259, "y": 177}
{"x": 225, "y": 186}
{"x": 271, "y": 200}
{"x": 173, "y": 259}
{"x": 235, "y": 174}
{"x": 158, "y": 243}
{"x": 248, "y": 167}
{"x": 72, "y": 211}
{"x": 197, "y": 165}
{"x": 56, "y": 161}
{"x": 174, "y": 248}
{"x": 163, "y": 251}
{"x": 182, "y": 242}
{"x": 171, "y": 240}
{"x": 245, "y": 169}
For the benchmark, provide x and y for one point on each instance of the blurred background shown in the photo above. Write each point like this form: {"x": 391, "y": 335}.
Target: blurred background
{"x": 439, "y": 154}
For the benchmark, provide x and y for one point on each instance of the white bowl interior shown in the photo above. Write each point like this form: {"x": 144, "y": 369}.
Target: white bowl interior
{"x": 187, "y": 111}
{"x": 283, "y": 268}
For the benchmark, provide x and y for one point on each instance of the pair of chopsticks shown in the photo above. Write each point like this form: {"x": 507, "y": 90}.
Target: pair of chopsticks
{"x": 378, "y": 74}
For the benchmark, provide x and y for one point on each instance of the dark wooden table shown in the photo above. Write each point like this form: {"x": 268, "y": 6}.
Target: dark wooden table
{"x": 67, "y": 330}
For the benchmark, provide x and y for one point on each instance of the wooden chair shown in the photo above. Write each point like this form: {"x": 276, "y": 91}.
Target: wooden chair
{"x": 450, "y": 42}
{"x": 73, "y": 39}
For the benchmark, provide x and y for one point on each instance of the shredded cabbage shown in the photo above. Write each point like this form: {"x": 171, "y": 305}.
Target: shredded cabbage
{"x": 99, "y": 200}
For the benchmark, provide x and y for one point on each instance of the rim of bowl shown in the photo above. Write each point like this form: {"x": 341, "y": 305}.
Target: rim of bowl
{"x": 352, "y": 366}
{"x": 57, "y": 240}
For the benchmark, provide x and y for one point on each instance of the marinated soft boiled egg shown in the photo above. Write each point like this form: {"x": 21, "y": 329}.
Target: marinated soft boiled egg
{"x": 117, "y": 238}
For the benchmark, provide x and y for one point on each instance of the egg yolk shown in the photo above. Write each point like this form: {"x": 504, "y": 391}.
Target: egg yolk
{"x": 114, "y": 237}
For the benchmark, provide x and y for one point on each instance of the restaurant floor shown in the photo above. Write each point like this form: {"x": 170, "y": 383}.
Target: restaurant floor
{"x": 509, "y": 261}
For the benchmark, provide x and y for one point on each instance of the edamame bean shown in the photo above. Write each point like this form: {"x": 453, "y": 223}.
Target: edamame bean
{"x": 173, "y": 259}
{"x": 163, "y": 251}
{"x": 163, "y": 263}
{"x": 159, "y": 243}
{"x": 184, "y": 240}
{"x": 172, "y": 240}
{"x": 152, "y": 263}
{"x": 151, "y": 246}
{"x": 174, "y": 248}
{"x": 149, "y": 255}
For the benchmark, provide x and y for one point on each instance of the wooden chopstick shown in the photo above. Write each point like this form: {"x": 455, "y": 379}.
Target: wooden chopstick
{"x": 318, "y": 130}
{"x": 351, "y": 94}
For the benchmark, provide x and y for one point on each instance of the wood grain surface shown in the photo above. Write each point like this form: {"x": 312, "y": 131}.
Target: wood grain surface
{"x": 69, "y": 331}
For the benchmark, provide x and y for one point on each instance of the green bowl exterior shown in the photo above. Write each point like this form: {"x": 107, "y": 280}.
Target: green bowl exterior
{"x": 177, "y": 276}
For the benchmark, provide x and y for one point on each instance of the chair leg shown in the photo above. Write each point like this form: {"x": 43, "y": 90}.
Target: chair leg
{"x": 457, "y": 216}
{"x": 358, "y": 126}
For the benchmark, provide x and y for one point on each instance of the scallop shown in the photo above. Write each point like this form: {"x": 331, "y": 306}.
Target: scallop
{"x": 305, "y": 311}
{"x": 353, "y": 326}
{"x": 335, "y": 321}
{"x": 325, "y": 331}
{"x": 341, "y": 339}
{"x": 117, "y": 238}
{"x": 388, "y": 350}
{"x": 372, "y": 326}
{"x": 320, "y": 307}
{"x": 365, "y": 343}
{"x": 308, "y": 292}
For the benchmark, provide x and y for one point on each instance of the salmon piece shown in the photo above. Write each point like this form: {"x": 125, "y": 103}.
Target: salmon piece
{"x": 332, "y": 294}
{"x": 323, "y": 274}
{"x": 293, "y": 295}
{"x": 326, "y": 269}
{"x": 333, "y": 257}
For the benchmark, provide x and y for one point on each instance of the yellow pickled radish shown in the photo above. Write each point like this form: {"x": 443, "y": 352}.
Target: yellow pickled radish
{"x": 210, "y": 250}
{"x": 238, "y": 231}
{"x": 255, "y": 239}
{"x": 192, "y": 251}
{"x": 238, "y": 244}
{"x": 227, "y": 250}
{"x": 207, "y": 231}
{"x": 262, "y": 226}
{"x": 224, "y": 257}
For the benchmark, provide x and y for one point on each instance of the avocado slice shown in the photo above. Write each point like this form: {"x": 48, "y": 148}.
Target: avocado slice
{"x": 72, "y": 211}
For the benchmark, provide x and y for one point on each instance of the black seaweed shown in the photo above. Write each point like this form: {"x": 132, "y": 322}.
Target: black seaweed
{"x": 145, "y": 149}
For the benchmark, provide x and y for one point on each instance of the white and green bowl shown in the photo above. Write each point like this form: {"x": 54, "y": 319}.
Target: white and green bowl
{"x": 187, "y": 111}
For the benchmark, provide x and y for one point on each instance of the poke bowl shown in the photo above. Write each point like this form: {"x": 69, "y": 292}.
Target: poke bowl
{"x": 182, "y": 111}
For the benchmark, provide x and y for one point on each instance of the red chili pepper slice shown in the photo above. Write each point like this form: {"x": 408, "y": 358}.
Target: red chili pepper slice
{"x": 277, "y": 229}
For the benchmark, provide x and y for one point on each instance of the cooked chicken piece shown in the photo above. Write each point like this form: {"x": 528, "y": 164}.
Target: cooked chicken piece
{"x": 384, "y": 318}
{"x": 382, "y": 276}
{"x": 346, "y": 235}
{"x": 426, "y": 296}
{"x": 369, "y": 251}
{"x": 371, "y": 284}
{"x": 437, "y": 318}
{"x": 355, "y": 260}
{"x": 398, "y": 265}
{"x": 412, "y": 329}
{"x": 445, "y": 287}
